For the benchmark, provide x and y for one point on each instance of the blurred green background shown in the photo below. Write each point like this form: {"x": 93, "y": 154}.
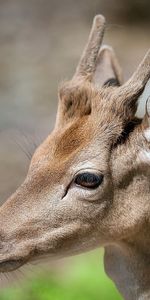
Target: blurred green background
{"x": 81, "y": 278}
{"x": 40, "y": 44}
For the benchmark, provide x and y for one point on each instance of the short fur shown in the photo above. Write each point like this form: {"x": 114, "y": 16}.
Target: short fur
{"x": 96, "y": 131}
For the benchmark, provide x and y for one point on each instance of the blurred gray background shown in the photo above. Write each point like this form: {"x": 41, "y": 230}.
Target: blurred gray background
{"x": 40, "y": 44}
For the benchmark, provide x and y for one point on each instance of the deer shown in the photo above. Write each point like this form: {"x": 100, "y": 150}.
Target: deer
{"x": 88, "y": 183}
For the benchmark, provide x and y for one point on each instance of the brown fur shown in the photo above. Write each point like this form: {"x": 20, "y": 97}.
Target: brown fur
{"x": 96, "y": 131}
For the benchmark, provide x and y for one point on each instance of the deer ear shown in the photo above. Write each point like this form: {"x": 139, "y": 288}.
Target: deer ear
{"x": 108, "y": 71}
{"x": 148, "y": 111}
{"x": 146, "y": 119}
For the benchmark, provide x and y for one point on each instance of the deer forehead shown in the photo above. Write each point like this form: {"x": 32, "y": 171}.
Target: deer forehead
{"x": 81, "y": 138}
{"x": 74, "y": 147}
{"x": 61, "y": 144}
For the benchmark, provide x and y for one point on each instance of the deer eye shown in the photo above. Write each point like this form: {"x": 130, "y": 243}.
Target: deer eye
{"x": 89, "y": 180}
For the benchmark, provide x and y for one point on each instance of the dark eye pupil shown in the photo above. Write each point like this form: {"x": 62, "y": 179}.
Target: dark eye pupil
{"x": 89, "y": 180}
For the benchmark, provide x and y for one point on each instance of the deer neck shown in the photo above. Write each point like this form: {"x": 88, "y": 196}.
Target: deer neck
{"x": 128, "y": 265}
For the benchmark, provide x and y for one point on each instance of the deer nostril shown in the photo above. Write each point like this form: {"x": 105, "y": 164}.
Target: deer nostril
{"x": 10, "y": 265}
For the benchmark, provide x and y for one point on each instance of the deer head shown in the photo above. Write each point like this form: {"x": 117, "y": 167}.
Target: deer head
{"x": 83, "y": 189}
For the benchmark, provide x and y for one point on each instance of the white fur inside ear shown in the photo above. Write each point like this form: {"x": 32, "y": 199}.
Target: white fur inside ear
{"x": 142, "y": 101}
{"x": 144, "y": 156}
{"x": 147, "y": 134}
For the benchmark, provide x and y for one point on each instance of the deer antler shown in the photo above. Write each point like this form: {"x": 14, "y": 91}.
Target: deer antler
{"x": 139, "y": 79}
{"x": 129, "y": 92}
{"x": 74, "y": 100}
{"x": 86, "y": 64}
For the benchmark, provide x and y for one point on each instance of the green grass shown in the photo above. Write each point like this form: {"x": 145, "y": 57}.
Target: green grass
{"x": 83, "y": 279}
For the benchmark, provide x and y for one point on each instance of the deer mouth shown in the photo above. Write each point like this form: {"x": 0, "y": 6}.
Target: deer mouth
{"x": 10, "y": 265}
